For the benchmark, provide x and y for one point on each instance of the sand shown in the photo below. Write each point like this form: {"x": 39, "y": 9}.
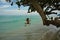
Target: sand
{"x": 31, "y": 33}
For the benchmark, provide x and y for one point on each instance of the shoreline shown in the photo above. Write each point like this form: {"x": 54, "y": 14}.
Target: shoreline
{"x": 28, "y": 33}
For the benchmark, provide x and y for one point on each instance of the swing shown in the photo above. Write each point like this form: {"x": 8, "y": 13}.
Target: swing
{"x": 27, "y": 20}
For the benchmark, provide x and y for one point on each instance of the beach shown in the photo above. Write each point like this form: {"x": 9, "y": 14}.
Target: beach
{"x": 28, "y": 33}
{"x": 35, "y": 31}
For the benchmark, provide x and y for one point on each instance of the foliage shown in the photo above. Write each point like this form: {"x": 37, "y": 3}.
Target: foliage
{"x": 53, "y": 4}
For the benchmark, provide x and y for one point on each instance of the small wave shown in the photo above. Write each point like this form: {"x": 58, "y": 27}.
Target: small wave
{"x": 11, "y": 21}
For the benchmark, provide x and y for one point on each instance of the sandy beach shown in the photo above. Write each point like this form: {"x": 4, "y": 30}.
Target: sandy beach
{"x": 29, "y": 33}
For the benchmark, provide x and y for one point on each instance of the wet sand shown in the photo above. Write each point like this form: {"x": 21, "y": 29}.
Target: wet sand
{"x": 30, "y": 33}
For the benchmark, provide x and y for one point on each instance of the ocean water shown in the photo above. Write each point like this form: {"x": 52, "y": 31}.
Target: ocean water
{"x": 9, "y": 23}
{"x": 13, "y": 28}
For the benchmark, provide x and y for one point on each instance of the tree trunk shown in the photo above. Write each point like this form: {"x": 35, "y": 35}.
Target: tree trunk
{"x": 39, "y": 10}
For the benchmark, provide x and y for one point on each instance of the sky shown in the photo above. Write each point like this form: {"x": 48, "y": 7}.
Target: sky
{"x": 7, "y": 9}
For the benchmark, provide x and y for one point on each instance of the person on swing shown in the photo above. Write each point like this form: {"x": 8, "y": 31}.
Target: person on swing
{"x": 27, "y": 21}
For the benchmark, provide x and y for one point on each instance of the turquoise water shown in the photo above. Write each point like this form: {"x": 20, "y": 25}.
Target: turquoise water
{"x": 13, "y": 28}
{"x": 10, "y": 23}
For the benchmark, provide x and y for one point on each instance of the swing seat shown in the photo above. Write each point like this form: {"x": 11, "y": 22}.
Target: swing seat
{"x": 27, "y": 22}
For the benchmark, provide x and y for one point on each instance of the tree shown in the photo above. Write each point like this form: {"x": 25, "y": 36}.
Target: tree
{"x": 39, "y": 5}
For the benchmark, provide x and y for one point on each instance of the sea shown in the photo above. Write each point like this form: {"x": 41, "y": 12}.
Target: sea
{"x": 13, "y": 22}
{"x": 12, "y": 27}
